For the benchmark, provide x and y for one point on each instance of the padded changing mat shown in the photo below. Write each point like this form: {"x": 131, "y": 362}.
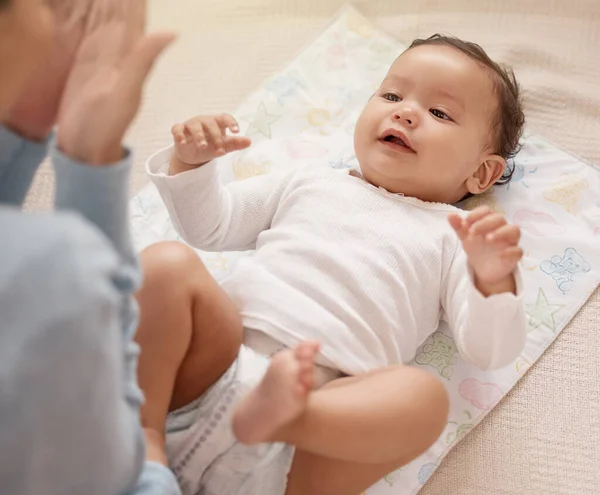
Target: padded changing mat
{"x": 305, "y": 115}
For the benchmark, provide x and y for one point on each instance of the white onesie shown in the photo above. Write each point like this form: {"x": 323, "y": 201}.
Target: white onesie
{"x": 367, "y": 273}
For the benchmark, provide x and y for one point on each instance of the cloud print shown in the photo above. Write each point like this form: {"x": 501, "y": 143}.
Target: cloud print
{"x": 538, "y": 223}
{"x": 481, "y": 395}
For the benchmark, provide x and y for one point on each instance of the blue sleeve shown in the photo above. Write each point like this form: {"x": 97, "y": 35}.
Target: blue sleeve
{"x": 69, "y": 414}
{"x": 68, "y": 360}
{"x": 156, "y": 479}
{"x": 19, "y": 161}
{"x": 100, "y": 194}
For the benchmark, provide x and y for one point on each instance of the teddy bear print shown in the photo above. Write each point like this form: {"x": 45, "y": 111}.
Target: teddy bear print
{"x": 440, "y": 352}
{"x": 564, "y": 269}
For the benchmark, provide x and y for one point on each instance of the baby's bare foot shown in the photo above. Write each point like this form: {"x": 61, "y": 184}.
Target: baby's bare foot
{"x": 279, "y": 398}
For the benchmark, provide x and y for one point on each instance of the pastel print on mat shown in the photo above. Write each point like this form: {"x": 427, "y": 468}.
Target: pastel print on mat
{"x": 305, "y": 115}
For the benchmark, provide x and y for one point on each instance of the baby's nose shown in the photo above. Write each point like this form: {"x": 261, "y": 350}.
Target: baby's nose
{"x": 406, "y": 115}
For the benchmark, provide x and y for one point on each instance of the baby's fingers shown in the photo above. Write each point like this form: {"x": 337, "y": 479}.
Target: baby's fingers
{"x": 236, "y": 143}
{"x": 458, "y": 224}
{"x": 487, "y": 224}
{"x": 178, "y": 131}
{"x": 510, "y": 234}
{"x": 195, "y": 129}
{"x": 477, "y": 214}
{"x": 216, "y": 135}
{"x": 226, "y": 121}
{"x": 513, "y": 253}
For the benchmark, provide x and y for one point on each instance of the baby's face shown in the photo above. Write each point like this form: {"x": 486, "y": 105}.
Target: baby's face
{"x": 427, "y": 129}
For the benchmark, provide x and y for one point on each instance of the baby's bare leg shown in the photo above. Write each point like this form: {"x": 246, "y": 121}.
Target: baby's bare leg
{"x": 351, "y": 432}
{"x": 387, "y": 415}
{"x": 190, "y": 332}
{"x": 355, "y": 430}
{"x": 316, "y": 475}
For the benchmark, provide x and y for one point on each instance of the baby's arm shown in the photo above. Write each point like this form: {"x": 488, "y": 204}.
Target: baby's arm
{"x": 489, "y": 331}
{"x": 207, "y": 214}
{"x": 482, "y": 294}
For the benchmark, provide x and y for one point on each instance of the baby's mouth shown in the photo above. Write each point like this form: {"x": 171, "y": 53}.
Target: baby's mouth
{"x": 396, "y": 140}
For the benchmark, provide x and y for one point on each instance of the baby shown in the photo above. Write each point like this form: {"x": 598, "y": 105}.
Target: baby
{"x": 352, "y": 273}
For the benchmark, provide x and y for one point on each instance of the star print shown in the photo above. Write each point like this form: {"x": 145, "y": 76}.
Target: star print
{"x": 261, "y": 122}
{"x": 542, "y": 312}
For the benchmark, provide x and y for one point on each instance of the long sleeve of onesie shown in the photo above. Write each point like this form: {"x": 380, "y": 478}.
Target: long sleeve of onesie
{"x": 211, "y": 216}
{"x": 490, "y": 331}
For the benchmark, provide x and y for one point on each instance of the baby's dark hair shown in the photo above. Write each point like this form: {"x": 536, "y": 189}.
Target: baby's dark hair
{"x": 509, "y": 119}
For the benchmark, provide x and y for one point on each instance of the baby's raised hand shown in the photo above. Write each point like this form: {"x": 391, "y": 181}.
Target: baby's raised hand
{"x": 203, "y": 138}
{"x": 492, "y": 247}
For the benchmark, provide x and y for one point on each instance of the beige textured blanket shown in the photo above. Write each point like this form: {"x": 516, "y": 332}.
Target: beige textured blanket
{"x": 544, "y": 438}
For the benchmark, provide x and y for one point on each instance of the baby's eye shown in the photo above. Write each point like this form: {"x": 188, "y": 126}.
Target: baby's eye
{"x": 392, "y": 97}
{"x": 439, "y": 114}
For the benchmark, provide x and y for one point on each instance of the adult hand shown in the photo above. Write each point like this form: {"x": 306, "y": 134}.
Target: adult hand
{"x": 104, "y": 88}
{"x": 34, "y": 113}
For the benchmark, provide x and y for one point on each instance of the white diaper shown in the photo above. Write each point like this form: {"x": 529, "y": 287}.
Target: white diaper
{"x": 203, "y": 452}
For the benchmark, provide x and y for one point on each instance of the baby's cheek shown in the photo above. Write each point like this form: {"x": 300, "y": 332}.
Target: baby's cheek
{"x": 448, "y": 153}
{"x": 362, "y": 133}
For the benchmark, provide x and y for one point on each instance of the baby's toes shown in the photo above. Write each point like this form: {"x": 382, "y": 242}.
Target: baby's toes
{"x": 305, "y": 355}
{"x": 301, "y": 391}
{"x": 306, "y": 351}
{"x": 307, "y": 375}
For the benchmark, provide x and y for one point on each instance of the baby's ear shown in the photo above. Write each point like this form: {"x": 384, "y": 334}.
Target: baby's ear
{"x": 486, "y": 175}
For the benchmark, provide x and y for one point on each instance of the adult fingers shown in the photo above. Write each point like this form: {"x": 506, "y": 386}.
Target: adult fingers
{"x": 70, "y": 12}
{"x": 139, "y": 63}
{"x": 135, "y": 13}
{"x": 121, "y": 24}
{"x": 101, "y": 12}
